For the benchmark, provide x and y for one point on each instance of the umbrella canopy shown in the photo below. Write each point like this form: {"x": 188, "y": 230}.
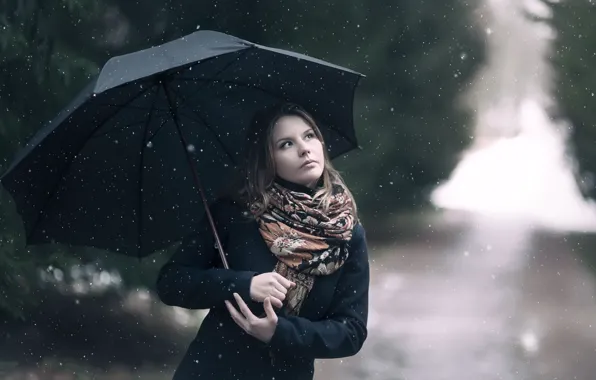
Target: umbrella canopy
{"x": 112, "y": 169}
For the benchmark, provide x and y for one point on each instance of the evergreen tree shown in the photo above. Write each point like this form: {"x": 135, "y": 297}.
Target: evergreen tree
{"x": 574, "y": 59}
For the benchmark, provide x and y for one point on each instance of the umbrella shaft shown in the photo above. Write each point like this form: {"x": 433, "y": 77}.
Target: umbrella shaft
{"x": 196, "y": 178}
{"x": 206, "y": 205}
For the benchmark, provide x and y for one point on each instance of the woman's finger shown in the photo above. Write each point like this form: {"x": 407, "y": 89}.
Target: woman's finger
{"x": 277, "y": 302}
{"x": 284, "y": 281}
{"x": 279, "y": 287}
{"x": 269, "y": 310}
{"x": 244, "y": 307}
{"x": 277, "y": 294}
{"x": 236, "y": 316}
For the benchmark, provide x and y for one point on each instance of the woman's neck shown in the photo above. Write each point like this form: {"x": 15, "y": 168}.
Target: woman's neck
{"x": 292, "y": 186}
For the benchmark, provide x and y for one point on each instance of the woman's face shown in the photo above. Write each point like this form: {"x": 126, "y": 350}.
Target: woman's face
{"x": 297, "y": 152}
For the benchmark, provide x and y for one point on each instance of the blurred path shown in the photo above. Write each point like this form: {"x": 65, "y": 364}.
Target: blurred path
{"x": 504, "y": 303}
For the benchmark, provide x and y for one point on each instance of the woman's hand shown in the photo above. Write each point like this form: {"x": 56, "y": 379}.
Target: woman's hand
{"x": 260, "y": 328}
{"x": 272, "y": 285}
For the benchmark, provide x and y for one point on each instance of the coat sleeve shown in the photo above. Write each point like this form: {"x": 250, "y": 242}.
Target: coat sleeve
{"x": 344, "y": 330}
{"x": 194, "y": 277}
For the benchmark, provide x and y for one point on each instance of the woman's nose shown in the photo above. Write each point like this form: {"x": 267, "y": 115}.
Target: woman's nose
{"x": 304, "y": 150}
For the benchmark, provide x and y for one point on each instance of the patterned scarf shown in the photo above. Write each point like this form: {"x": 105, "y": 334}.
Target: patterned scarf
{"x": 307, "y": 241}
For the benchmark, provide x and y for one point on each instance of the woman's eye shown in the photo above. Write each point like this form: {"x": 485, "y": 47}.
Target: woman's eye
{"x": 284, "y": 145}
{"x": 310, "y": 135}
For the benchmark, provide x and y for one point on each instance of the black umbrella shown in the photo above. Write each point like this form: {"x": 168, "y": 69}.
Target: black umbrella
{"x": 112, "y": 170}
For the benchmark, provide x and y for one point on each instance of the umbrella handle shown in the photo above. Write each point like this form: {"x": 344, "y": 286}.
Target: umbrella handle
{"x": 195, "y": 175}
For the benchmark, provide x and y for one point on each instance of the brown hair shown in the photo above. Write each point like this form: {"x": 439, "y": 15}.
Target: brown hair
{"x": 259, "y": 173}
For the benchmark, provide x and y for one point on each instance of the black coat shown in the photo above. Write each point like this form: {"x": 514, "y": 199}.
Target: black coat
{"x": 331, "y": 324}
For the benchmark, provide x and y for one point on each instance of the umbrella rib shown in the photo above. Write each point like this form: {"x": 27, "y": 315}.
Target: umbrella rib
{"x": 165, "y": 120}
{"x": 141, "y": 172}
{"x": 225, "y": 81}
{"x": 246, "y": 85}
{"x": 204, "y": 122}
{"x": 52, "y": 193}
{"x": 201, "y": 120}
{"x": 196, "y": 178}
{"x": 150, "y": 109}
{"x": 114, "y": 128}
{"x": 141, "y": 108}
{"x": 173, "y": 76}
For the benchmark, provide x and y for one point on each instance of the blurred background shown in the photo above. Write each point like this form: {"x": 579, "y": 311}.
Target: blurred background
{"x": 475, "y": 184}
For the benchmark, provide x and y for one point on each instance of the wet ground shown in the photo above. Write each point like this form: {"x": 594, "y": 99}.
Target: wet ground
{"x": 501, "y": 302}
{"x": 486, "y": 300}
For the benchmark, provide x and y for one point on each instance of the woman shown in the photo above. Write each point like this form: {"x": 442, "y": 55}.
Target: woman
{"x": 297, "y": 287}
